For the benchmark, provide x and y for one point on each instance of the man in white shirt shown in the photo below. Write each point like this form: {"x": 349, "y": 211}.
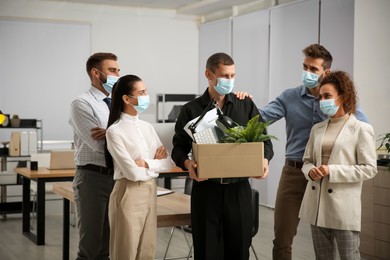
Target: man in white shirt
{"x": 93, "y": 182}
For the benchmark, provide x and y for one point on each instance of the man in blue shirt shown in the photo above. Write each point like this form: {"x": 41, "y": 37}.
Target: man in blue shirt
{"x": 300, "y": 108}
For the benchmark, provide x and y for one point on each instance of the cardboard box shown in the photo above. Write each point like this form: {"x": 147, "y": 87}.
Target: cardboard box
{"x": 229, "y": 159}
{"x": 14, "y": 146}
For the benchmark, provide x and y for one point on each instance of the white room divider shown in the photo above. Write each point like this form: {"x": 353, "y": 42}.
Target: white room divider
{"x": 213, "y": 37}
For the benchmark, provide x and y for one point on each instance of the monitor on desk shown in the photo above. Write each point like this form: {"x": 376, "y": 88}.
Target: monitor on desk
{"x": 165, "y": 132}
{"x": 62, "y": 159}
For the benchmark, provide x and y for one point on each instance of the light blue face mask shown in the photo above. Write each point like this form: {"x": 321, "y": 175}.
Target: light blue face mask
{"x": 224, "y": 86}
{"x": 328, "y": 106}
{"x": 143, "y": 103}
{"x": 309, "y": 80}
{"x": 111, "y": 80}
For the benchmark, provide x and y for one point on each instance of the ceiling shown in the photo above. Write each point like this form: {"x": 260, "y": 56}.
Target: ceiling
{"x": 190, "y": 7}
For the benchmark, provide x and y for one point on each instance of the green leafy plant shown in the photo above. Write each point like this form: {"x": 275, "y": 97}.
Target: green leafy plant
{"x": 252, "y": 132}
{"x": 385, "y": 142}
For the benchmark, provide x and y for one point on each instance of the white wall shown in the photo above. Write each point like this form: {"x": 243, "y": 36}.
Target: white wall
{"x": 372, "y": 60}
{"x": 159, "y": 46}
{"x": 42, "y": 67}
{"x": 213, "y": 37}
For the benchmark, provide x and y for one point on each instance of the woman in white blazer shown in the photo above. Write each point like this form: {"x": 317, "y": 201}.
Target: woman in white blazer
{"x": 339, "y": 156}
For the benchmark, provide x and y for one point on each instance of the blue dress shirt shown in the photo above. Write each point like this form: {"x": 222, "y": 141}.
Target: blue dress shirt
{"x": 301, "y": 111}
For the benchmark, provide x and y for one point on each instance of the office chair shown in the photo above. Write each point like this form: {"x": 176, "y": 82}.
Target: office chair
{"x": 184, "y": 229}
{"x": 255, "y": 214}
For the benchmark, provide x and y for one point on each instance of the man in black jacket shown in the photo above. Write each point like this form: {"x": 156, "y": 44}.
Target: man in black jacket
{"x": 220, "y": 208}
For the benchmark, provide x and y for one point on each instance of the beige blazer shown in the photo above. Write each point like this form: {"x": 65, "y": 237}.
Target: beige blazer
{"x": 335, "y": 201}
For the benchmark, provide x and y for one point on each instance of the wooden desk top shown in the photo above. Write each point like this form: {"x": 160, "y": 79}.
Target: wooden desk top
{"x": 172, "y": 209}
{"x": 44, "y": 172}
{"x": 176, "y": 169}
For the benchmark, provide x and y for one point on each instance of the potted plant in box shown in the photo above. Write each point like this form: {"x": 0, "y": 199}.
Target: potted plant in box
{"x": 385, "y": 142}
{"x": 252, "y": 132}
{"x": 236, "y": 154}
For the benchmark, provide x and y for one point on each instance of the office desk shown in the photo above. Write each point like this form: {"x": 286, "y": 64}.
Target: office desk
{"x": 173, "y": 173}
{"x": 41, "y": 176}
{"x": 172, "y": 210}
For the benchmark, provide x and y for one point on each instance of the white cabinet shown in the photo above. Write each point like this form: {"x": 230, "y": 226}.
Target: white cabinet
{"x": 375, "y": 233}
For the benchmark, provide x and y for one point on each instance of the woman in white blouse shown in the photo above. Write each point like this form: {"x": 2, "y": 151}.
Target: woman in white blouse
{"x": 137, "y": 154}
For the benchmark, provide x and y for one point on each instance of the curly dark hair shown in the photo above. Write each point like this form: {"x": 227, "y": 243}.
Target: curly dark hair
{"x": 316, "y": 51}
{"x": 345, "y": 87}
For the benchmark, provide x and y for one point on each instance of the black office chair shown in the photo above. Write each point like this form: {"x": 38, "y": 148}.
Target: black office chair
{"x": 255, "y": 214}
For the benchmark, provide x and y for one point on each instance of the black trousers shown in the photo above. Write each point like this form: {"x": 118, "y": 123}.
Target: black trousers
{"x": 221, "y": 220}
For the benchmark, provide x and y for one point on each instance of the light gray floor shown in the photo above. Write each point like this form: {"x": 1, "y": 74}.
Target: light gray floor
{"x": 14, "y": 246}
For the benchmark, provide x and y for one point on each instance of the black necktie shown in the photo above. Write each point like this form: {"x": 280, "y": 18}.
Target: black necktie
{"x": 107, "y": 100}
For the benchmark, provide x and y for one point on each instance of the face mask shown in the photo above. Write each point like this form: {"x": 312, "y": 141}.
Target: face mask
{"x": 111, "y": 80}
{"x": 224, "y": 86}
{"x": 143, "y": 103}
{"x": 310, "y": 80}
{"x": 328, "y": 106}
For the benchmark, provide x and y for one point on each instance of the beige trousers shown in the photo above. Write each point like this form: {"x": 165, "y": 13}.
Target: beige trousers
{"x": 133, "y": 220}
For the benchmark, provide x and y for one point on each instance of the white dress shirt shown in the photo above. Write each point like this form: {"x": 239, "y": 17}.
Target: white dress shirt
{"x": 130, "y": 139}
{"x": 89, "y": 111}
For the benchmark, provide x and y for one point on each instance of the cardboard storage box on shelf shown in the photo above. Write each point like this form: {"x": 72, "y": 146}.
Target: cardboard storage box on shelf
{"x": 229, "y": 159}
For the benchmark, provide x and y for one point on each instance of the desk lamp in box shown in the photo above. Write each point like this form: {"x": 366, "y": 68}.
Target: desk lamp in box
{"x": 222, "y": 122}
